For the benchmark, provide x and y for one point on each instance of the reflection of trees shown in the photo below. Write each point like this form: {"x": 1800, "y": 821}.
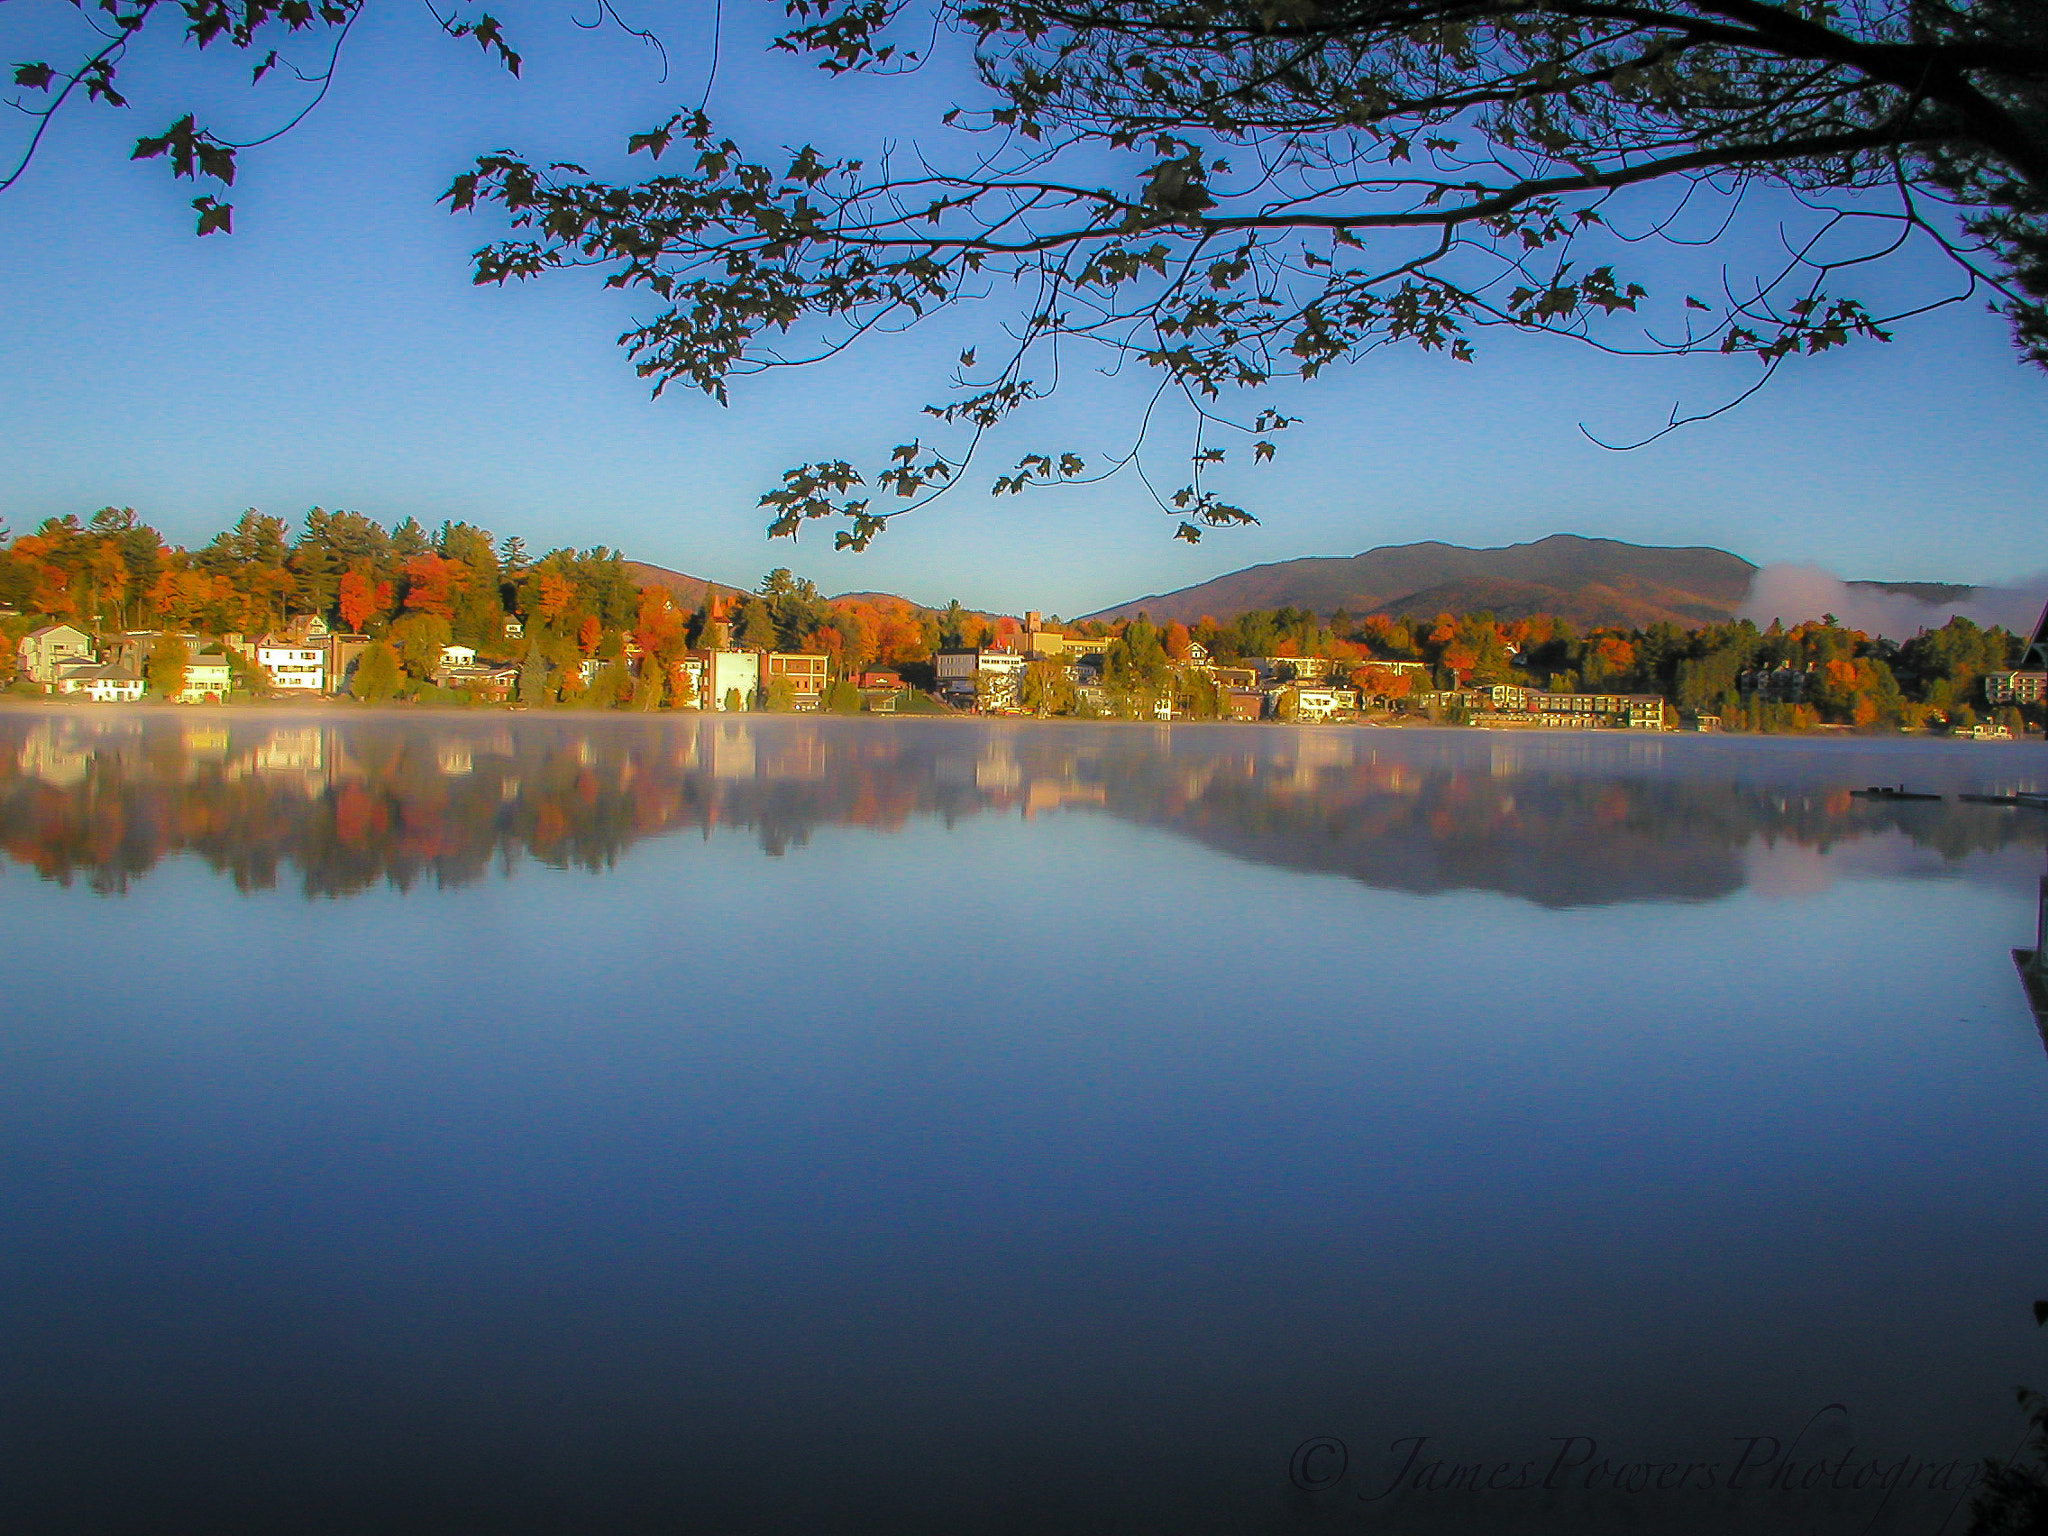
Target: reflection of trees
{"x": 348, "y": 804}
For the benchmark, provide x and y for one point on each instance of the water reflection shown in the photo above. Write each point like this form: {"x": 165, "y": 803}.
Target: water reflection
{"x": 339, "y": 805}
{"x": 1055, "y": 1175}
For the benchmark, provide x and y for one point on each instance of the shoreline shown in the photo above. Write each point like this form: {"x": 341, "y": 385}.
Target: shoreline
{"x": 337, "y": 711}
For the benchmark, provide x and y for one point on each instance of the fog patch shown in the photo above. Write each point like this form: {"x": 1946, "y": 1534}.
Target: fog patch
{"x": 1797, "y": 593}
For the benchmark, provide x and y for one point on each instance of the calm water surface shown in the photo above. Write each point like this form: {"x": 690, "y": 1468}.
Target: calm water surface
{"x": 426, "y": 1124}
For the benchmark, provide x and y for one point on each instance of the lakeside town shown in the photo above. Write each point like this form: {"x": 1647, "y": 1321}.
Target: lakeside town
{"x": 104, "y": 612}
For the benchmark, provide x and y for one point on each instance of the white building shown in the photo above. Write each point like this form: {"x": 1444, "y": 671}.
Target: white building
{"x": 43, "y": 652}
{"x": 207, "y": 678}
{"x": 293, "y": 665}
{"x": 727, "y": 673}
{"x": 989, "y": 678}
{"x": 113, "y": 684}
{"x": 1312, "y": 703}
{"x": 1295, "y": 669}
{"x": 692, "y": 695}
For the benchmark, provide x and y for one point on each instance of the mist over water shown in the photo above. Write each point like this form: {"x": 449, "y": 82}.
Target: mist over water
{"x": 573, "y": 1124}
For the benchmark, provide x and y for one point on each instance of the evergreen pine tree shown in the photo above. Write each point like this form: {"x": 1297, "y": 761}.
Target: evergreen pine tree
{"x": 757, "y": 626}
{"x": 533, "y": 678}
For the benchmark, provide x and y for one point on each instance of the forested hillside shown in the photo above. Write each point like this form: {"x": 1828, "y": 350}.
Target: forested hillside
{"x": 1588, "y": 582}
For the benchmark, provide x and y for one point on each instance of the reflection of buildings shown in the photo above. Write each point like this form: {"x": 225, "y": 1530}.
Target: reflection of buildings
{"x": 726, "y": 747}
{"x": 1053, "y": 795}
{"x": 798, "y": 758}
{"x": 300, "y": 750}
{"x": 65, "y": 753}
{"x": 997, "y": 770}
{"x": 1568, "y": 820}
{"x": 59, "y": 759}
{"x": 293, "y": 755}
{"x": 206, "y": 742}
{"x": 1315, "y": 756}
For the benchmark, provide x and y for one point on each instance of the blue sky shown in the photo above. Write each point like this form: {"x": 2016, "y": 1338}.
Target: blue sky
{"x": 333, "y": 352}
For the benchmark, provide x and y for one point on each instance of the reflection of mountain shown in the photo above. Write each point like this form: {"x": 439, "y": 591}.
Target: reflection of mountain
{"x": 1556, "y": 842}
{"x": 1558, "y": 823}
{"x": 349, "y": 802}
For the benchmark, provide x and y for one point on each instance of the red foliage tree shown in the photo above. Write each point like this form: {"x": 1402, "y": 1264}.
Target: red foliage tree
{"x": 360, "y": 598}
{"x": 1382, "y": 682}
{"x": 433, "y": 584}
{"x": 553, "y": 595}
{"x": 659, "y": 630}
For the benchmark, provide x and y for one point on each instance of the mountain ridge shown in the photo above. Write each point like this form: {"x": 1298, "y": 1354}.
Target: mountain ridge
{"x": 1585, "y": 580}
{"x": 1589, "y": 582}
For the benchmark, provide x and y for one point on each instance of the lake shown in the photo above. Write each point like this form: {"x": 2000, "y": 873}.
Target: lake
{"x": 561, "y": 1123}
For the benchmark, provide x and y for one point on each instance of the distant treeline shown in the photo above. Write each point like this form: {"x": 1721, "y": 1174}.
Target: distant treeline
{"x": 420, "y": 589}
{"x": 1839, "y": 675}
